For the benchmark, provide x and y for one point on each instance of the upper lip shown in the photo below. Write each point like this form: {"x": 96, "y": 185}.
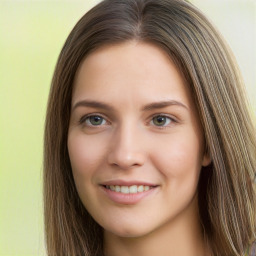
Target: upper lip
{"x": 127, "y": 183}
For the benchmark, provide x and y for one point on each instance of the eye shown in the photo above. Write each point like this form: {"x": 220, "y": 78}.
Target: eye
{"x": 94, "y": 120}
{"x": 161, "y": 120}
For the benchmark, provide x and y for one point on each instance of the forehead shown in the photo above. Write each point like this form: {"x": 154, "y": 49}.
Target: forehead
{"x": 130, "y": 69}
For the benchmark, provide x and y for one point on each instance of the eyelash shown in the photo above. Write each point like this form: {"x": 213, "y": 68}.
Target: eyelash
{"x": 83, "y": 120}
{"x": 172, "y": 120}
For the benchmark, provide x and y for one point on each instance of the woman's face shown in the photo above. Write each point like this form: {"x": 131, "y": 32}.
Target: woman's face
{"x": 135, "y": 141}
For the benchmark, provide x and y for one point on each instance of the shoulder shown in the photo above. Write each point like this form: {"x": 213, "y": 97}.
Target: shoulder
{"x": 251, "y": 250}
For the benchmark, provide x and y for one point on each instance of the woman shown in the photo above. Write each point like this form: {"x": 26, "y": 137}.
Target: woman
{"x": 149, "y": 145}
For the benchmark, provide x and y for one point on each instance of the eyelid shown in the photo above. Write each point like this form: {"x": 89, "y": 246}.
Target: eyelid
{"x": 83, "y": 119}
{"x": 171, "y": 117}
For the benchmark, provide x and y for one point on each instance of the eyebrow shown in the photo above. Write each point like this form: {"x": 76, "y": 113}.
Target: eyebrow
{"x": 163, "y": 104}
{"x": 148, "y": 107}
{"x": 92, "y": 104}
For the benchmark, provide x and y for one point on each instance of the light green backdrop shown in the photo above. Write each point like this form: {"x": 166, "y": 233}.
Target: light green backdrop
{"x": 31, "y": 36}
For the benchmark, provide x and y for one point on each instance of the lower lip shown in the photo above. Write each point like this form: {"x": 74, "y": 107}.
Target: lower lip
{"x": 129, "y": 199}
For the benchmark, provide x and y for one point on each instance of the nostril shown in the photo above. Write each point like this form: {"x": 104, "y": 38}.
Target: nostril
{"x": 126, "y": 160}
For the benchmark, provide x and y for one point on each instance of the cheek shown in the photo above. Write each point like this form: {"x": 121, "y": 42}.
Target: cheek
{"x": 85, "y": 154}
{"x": 179, "y": 158}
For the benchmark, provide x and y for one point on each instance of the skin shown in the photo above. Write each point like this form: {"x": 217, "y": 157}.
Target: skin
{"x": 129, "y": 145}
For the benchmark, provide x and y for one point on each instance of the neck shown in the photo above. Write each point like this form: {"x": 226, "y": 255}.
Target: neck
{"x": 182, "y": 236}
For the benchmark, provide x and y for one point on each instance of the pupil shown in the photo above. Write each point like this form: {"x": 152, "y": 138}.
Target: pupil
{"x": 160, "y": 120}
{"x": 96, "y": 120}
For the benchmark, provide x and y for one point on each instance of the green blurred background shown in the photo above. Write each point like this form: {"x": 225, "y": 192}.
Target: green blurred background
{"x": 32, "y": 34}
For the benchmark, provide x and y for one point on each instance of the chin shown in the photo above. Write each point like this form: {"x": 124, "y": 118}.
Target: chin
{"x": 128, "y": 230}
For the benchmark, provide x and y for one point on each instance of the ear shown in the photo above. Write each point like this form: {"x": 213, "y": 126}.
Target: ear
{"x": 206, "y": 160}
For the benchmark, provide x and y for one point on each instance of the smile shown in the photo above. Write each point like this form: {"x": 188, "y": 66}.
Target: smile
{"x": 129, "y": 189}
{"x": 128, "y": 194}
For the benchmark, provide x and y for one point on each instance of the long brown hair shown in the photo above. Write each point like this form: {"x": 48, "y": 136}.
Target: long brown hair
{"x": 227, "y": 201}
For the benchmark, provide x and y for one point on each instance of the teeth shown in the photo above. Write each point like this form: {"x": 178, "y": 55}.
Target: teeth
{"x": 125, "y": 190}
{"x": 129, "y": 189}
{"x": 140, "y": 188}
{"x": 133, "y": 189}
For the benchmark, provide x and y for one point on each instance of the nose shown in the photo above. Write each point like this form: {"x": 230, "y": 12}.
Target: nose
{"x": 127, "y": 149}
